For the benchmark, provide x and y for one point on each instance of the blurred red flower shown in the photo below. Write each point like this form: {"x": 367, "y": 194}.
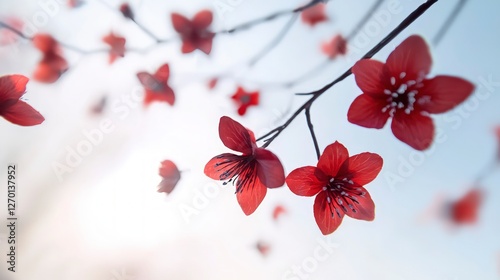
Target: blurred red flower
{"x": 117, "y": 45}
{"x": 52, "y": 65}
{"x": 212, "y": 83}
{"x": 252, "y": 172}
{"x": 171, "y": 176}
{"x": 157, "y": 88}
{"x": 245, "y": 99}
{"x": 399, "y": 89}
{"x": 337, "y": 181}
{"x": 12, "y": 108}
{"x": 465, "y": 211}
{"x": 278, "y": 211}
{"x": 194, "y": 33}
{"x": 314, "y": 15}
{"x": 126, "y": 11}
{"x": 263, "y": 248}
{"x": 334, "y": 47}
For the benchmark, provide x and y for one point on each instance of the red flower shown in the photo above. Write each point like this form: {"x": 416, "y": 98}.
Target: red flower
{"x": 399, "y": 89}
{"x": 252, "y": 172}
{"x": 337, "y": 182}
{"x": 12, "y": 88}
{"x": 170, "y": 175}
{"x": 466, "y": 209}
{"x": 98, "y": 107}
{"x": 334, "y": 47}
{"x": 156, "y": 86}
{"x": 52, "y": 65}
{"x": 315, "y": 14}
{"x": 245, "y": 99}
{"x": 194, "y": 33}
{"x": 126, "y": 11}
{"x": 117, "y": 45}
{"x": 278, "y": 211}
{"x": 263, "y": 248}
{"x": 212, "y": 83}
{"x": 75, "y": 3}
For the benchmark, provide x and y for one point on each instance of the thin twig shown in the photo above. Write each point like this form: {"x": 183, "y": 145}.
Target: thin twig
{"x": 364, "y": 20}
{"x": 311, "y": 130}
{"x": 317, "y": 93}
{"x": 449, "y": 21}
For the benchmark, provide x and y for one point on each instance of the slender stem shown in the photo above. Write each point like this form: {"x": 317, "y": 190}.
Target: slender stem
{"x": 364, "y": 20}
{"x": 449, "y": 21}
{"x": 14, "y": 30}
{"x": 275, "y": 42}
{"x": 487, "y": 170}
{"x": 311, "y": 130}
{"x": 147, "y": 31}
{"x": 317, "y": 93}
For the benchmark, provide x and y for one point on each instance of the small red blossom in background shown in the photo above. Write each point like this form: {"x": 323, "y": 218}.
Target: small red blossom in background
{"x": 117, "y": 45}
{"x": 12, "y": 88}
{"x": 334, "y": 47}
{"x": 52, "y": 65}
{"x": 157, "y": 88}
{"x": 465, "y": 211}
{"x": 399, "y": 90}
{"x": 212, "y": 83}
{"x": 263, "y": 248}
{"x": 337, "y": 181}
{"x": 314, "y": 15}
{"x": 75, "y": 3}
{"x": 253, "y": 172}
{"x": 278, "y": 211}
{"x": 171, "y": 176}
{"x": 126, "y": 11}
{"x": 245, "y": 99}
{"x": 8, "y": 37}
{"x": 98, "y": 107}
{"x": 195, "y": 34}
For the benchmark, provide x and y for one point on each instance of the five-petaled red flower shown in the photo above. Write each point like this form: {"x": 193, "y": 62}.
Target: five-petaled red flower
{"x": 252, "y": 172}
{"x": 194, "y": 33}
{"x": 157, "y": 88}
{"x": 399, "y": 89}
{"x": 245, "y": 99}
{"x": 52, "y": 65}
{"x": 170, "y": 174}
{"x": 334, "y": 47}
{"x": 314, "y": 15}
{"x": 466, "y": 209}
{"x": 12, "y": 88}
{"x": 337, "y": 182}
{"x": 117, "y": 45}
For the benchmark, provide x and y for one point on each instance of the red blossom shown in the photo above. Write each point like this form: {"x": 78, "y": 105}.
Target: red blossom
{"x": 465, "y": 211}
{"x": 52, "y": 65}
{"x": 252, "y": 172}
{"x": 12, "y": 108}
{"x": 195, "y": 33}
{"x": 245, "y": 99}
{"x": 278, "y": 211}
{"x": 334, "y": 47}
{"x": 75, "y": 3}
{"x": 314, "y": 15}
{"x": 98, "y": 107}
{"x": 126, "y": 11}
{"x": 337, "y": 181}
{"x": 212, "y": 83}
{"x": 399, "y": 90}
{"x": 170, "y": 174}
{"x": 156, "y": 85}
{"x": 263, "y": 248}
{"x": 117, "y": 45}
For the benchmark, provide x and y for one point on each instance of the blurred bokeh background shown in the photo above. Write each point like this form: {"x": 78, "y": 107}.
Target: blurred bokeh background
{"x": 103, "y": 219}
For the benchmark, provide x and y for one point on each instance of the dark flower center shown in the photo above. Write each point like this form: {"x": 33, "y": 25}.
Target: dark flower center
{"x": 239, "y": 170}
{"x": 402, "y": 94}
{"x": 342, "y": 193}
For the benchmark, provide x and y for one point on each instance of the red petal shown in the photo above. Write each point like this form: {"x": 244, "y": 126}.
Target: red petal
{"x": 218, "y": 165}
{"x": 45, "y": 43}
{"x": 466, "y": 210}
{"x": 187, "y": 46}
{"x": 332, "y": 158}
{"x": 369, "y": 76}
{"x": 413, "y": 129}
{"x": 170, "y": 175}
{"x": 278, "y": 211}
{"x": 445, "y": 93}
{"x": 163, "y": 73}
{"x": 235, "y": 136}
{"x": 202, "y": 19}
{"x": 12, "y": 87}
{"x": 270, "y": 171}
{"x": 327, "y": 222}
{"x": 314, "y": 15}
{"x": 149, "y": 81}
{"x": 412, "y": 57}
{"x": 180, "y": 23}
{"x": 22, "y": 114}
{"x": 205, "y": 45}
{"x": 166, "y": 95}
{"x": 46, "y": 74}
{"x": 250, "y": 197}
{"x": 366, "y": 111}
{"x": 361, "y": 168}
{"x": 306, "y": 181}
{"x": 365, "y": 210}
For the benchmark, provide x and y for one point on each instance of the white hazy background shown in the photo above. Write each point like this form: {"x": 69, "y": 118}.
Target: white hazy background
{"x": 106, "y": 221}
